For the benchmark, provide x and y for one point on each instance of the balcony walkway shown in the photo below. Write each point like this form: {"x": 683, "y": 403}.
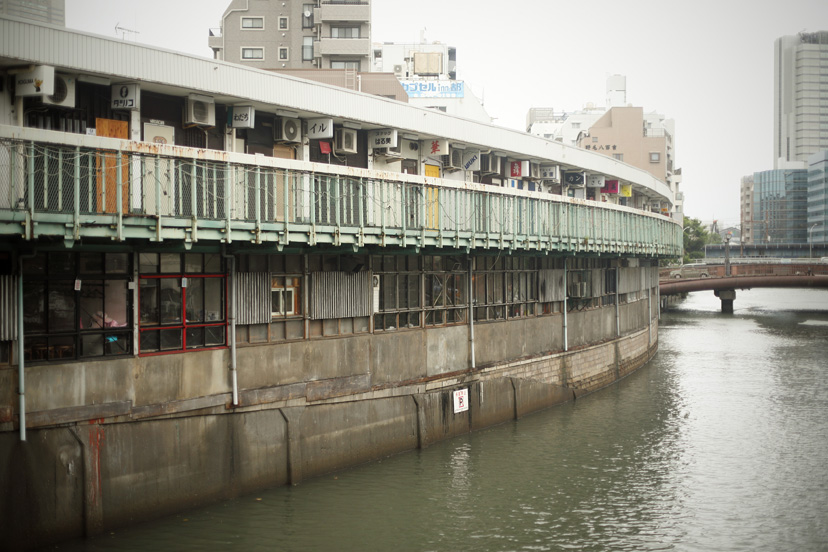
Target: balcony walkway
{"x": 73, "y": 187}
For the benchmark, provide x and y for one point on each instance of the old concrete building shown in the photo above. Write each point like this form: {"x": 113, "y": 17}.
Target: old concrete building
{"x": 295, "y": 34}
{"x": 215, "y": 279}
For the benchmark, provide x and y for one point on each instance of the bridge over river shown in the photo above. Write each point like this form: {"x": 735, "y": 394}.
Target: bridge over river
{"x": 724, "y": 280}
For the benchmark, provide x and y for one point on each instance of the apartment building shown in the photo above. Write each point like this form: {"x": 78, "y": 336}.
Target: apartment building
{"x": 295, "y": 34}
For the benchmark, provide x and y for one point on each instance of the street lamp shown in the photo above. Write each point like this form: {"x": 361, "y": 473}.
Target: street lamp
{"x": 811, "y": 240}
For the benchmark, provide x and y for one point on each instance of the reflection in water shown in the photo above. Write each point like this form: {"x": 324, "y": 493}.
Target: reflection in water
{"x": 719, "y": 444}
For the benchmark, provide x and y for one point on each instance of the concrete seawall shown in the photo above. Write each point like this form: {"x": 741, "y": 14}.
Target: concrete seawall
{"x": 76, "y": 479}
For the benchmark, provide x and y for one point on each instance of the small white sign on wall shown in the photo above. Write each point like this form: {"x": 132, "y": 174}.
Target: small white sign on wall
{"x": 461, "y": 400}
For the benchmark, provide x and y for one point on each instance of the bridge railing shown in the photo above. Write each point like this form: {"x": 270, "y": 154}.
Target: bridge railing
{"x": 119, "y": 190}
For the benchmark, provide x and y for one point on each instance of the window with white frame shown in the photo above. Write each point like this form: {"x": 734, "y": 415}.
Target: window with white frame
{"x": 345, "y": 65}
{"x": 618, "y": 156}
{"x": 307, "y": 48}
{"x": 283, "y": 53}
{"x": 307, "y": 16}
{"x": 655, "y": 157}
{"x": 283, "y": 23}
{"x": 345, "y": 32}
{"x": 283, "y": 296}
{"x": 252, "y": 23}
{"x": 252, "y": 53}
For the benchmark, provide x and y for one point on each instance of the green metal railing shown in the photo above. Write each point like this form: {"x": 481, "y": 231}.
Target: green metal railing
{"x": 48, "y": 189}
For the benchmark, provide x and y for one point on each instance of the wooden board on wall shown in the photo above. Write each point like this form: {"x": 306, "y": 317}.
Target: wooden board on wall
{"x": 107, "y": 163}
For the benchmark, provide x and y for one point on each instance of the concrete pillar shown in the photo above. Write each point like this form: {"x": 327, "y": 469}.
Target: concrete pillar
{"x": 726, "y": 296}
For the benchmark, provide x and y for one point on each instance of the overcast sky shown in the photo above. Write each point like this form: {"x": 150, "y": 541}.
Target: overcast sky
{"x": 706, "y": 64}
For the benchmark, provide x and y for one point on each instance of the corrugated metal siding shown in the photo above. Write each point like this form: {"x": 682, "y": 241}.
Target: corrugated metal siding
{"x": 340, "y": 295}
{"x": 550, "y": 285}
{"x": 8, "y": 308}
{"x": 72, "y": 50}
{"x": 253, "y": 298}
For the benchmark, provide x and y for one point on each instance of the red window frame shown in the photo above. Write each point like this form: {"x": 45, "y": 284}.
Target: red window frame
{"x": 184, "y": 325}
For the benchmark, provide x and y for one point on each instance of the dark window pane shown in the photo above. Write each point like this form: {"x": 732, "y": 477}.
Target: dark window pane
{"x": 35, "y": 265}
{"x": 170, "y": 263}
{"x": 149, "y": 302}
{"x": 195, "y": 301}
{"x": 170, "y": 339}
{"x": 62, "y": 264}
{"x": 117, "y": 263}
{"x": 92, "y": 345}
{"x": 212, "y": 263}
{"x": 214, "y": 335}
{"x": 36, "y": 348}
{"x": 192, "y": 263}
{"x": 116, "y": 304}
{"x": 170, "y": 301}
{"x": 213, "y": 299}
{"x": 91, "y": 263}
{"x": 61, "y": 307}
{"x": 195, "y": 338}
{"x": 150, "y": 342}
{"x": 389, "y": 292}
{"x": 62, "y": 347}
{"x": 34, "y": 307}
{"x": 148, "y": 263}
{"x": 92, "y": 306}
{"x": 117, "y": 344}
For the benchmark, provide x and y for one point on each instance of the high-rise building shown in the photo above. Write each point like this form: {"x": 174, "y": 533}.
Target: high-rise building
{"x": 42, "y": 11}
{"x": 746, "y": 209}
{"x": 800, "y": 96}
{"x": 295, "y": 34}
{"x": 818, "y": 197}
{"x": 780, "y": 199}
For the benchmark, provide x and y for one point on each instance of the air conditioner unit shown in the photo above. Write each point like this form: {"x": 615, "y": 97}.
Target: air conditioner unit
{"x": 64, "y": 93}
{"x": 287, "y": 129}
{"x": 345, "y": 140}
{"x": 200, "y": 110}
{"x": 454, "y": 160}
{"x": 490, "y": 163}
{"x": 399, "y": 71}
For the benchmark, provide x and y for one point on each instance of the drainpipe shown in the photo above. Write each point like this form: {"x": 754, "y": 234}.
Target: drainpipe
{"x": 471, "y": 309}
{"x": 617, "y": 307}
{"x": 565, "y": 336}
{"x": 21, "y": 377}
{"x": 233, "y": 373}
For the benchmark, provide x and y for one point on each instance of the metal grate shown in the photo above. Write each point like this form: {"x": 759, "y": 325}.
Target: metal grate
{"x": 340, "y": 295}
{"x": 8, "y": 308}
{"x": 252, "y": 298}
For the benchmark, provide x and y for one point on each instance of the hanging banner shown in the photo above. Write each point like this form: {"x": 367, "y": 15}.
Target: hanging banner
{"x": 574, "y": 178}
{"x": 610, "y": 187}
{"x": 595, "y": 181}
{"x": 626, "y": 190}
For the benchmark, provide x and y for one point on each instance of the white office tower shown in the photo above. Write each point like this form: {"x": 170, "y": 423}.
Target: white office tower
{"x": 800, "y": 88}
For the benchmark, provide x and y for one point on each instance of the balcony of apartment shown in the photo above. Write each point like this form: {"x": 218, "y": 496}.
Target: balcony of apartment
{"x": 342, "y": 46}
{"x": 342, "y": 11}
{"x": 215, "y": 40}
